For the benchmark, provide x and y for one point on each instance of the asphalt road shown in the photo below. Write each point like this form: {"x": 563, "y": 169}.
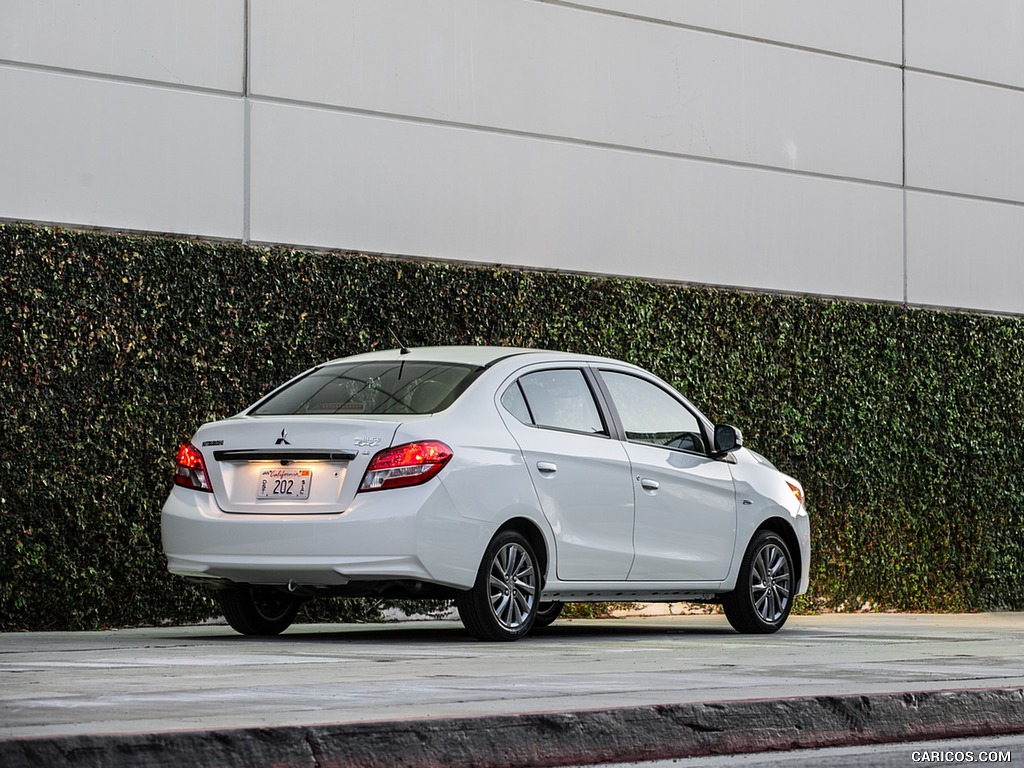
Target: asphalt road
{"x": 140, "y": 682}
{"x": 995, "y": 751}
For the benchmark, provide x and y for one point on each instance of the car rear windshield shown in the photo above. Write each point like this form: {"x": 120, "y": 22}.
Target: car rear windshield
{"x": 379, "y": 387}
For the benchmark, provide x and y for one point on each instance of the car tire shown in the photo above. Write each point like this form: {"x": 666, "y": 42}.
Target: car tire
{"x": 763, "y": 596}
{"x": 547, "y": 612}
{"x": 258, "y": 610}
{"x": 502, "y": 604}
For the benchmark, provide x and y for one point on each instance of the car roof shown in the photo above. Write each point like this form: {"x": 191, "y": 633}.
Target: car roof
{"x": 469, "y": 355}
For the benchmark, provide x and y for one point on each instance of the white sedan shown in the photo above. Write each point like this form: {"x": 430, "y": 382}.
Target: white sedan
{"x": 509, "y": 480}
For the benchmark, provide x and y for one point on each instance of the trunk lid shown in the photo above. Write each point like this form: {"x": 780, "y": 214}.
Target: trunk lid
{"x": 290, "y": 464}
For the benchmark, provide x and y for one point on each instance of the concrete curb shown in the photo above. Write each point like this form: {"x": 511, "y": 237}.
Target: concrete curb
{"x": 550, "y": 739}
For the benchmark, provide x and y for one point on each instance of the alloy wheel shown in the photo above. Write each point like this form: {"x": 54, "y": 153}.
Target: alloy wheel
{"x": 765, "y": 585}
{"x": 770, "y": 583}
{"x": 513, "y": 586}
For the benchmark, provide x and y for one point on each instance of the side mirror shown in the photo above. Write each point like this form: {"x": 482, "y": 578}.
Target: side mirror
{"x": 727, "y": 439}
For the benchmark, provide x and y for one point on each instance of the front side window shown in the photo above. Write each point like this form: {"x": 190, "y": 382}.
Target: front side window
{"x": 557, "y": 399}
{"x": 651, "y": 415}
{"x": 378, "y": 387}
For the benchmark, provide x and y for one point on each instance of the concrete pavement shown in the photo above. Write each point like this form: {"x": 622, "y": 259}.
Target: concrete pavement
{"x": 424, "y": 693}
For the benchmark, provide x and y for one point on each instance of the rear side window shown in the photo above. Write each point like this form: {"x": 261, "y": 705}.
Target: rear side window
{"x": 515, "y": 403}
{"x": 558, "y": 399}
{"x": 379, "y": 387}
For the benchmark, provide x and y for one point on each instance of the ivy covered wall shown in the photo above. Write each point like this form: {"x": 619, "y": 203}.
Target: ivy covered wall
{"x": 904, "y": 424}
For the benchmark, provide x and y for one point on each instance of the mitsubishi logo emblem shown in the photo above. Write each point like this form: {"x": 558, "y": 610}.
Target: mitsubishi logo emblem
{"x": 283, "y": 439}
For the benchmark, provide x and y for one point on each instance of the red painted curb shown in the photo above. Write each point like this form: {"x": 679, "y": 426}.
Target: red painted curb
{"x": 549, "y": 739}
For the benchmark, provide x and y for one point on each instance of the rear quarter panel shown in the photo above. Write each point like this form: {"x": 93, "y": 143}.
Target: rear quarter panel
{"x": 486, "y": 481}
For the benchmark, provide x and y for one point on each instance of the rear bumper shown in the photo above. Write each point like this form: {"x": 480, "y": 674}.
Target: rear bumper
{"x": 392, "y": 535}
{"x": 301, "y": 571}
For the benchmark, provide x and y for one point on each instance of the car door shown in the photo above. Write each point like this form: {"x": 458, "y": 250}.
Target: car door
{"x": 685, "y": 503}
{"x": 581, "y": 474}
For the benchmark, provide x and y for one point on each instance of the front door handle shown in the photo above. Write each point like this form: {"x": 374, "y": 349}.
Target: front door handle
{"x": 648, "y": 484}
{"x": 547, "y": 467}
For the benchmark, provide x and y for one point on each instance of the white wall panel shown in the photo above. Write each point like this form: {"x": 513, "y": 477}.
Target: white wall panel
{"x": 556, "y": 71}
{"x": 980, "y": 39}
{"x": 865, "y": 28}
{"x": 326, "y": 178}
{"x": 965, "y": 137}
{"x": 193, "y": 42}
{"x": 965, "y": 253}
{"x": 729, "y": 142}
{"x": 83, "y": 151}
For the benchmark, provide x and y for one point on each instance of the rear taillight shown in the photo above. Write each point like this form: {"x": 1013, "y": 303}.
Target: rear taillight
{"x": 190, "y": 469}
{"x": 404, "y": 465}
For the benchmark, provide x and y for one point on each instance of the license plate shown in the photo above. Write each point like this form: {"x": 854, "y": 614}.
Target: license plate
{"x": 285, "y": 483}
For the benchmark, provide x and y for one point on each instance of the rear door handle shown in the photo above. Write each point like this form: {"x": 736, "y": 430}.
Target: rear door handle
{"x": 648, "y": 484}
{"x": 547, "y": 467}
